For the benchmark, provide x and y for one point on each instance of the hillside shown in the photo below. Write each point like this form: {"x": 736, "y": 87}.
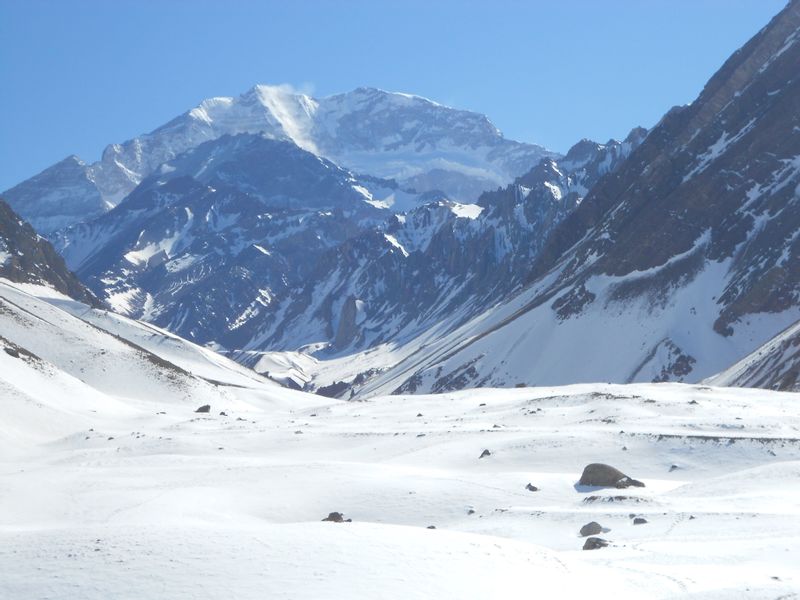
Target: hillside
{"x": 678, "y": 264}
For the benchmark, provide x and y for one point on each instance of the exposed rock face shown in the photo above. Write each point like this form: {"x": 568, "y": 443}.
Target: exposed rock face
{"x": 27, "y": 258}
{"x": 598, "y": 474}
{"x": 722, "y": 167}
{"x": 346, "y": 333}
{"x": 716, "y": 179}
{"x": 666, "y": 257}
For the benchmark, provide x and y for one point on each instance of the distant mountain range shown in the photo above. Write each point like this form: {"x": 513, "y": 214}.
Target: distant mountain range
{"x": 250, "y": 243}
{"x": 422, "y": 145}
{"x": 375, "y": 242}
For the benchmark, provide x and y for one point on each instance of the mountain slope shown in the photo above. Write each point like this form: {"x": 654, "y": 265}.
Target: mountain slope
{"x": 62, "y": 356}
{"x": 774, "y": 365}
{"x": 421, "y": 144}
{"x": 60, "y": 195}
{"x": 676, "y": 265}
{"x": 27, "y": 258}
{"x": 440, "y": 262}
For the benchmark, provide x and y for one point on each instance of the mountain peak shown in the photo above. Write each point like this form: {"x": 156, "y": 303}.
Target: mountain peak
{"x": 636, "y": 135}
{"x": 71, "y": 160}
{"x": 272, "y": 95}
{"x": 419, "y": 143}
{"x": 373, "y": 92}
{"x": 582, "y": 150}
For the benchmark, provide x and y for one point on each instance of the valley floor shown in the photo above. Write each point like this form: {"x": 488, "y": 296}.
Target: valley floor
{"x": 156, "y": 501}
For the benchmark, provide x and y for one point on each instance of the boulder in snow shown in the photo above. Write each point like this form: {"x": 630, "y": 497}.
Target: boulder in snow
{"x": 591, "y": 528}
{"x": 337, "y": 517}
{"x": 594, "y": 543}
{"x": 600, "y": 475}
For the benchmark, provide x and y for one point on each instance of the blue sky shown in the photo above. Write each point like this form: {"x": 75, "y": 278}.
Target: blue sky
{"x": 79, "y": 74}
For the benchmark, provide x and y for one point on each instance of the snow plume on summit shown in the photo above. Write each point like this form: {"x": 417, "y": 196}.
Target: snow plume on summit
{"x": 278, "y": 110}
{"x": 423, "y": 145}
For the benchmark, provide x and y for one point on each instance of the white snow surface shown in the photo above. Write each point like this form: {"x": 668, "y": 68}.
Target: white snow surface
{"x": 112, "y": 486}
{"x": 466, "y": 211}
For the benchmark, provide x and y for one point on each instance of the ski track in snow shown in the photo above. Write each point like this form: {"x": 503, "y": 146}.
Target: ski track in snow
{"x": 121, "y": 490}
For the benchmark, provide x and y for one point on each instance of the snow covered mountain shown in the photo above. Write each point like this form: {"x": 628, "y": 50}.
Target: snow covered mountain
{"x": 440, "y": 262}
{"x": 423, "y": 145}
{"x": 676, "y": 265}
{"x": 63, "y": 357}
{"x": 25, "y": 257}
{"x": 218, "y": 237}
{"x": 136, "y": 463}
{"x": 668, "y": 256}
{"x": 253, "y": 244}
{"x": 62, "y": 194}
